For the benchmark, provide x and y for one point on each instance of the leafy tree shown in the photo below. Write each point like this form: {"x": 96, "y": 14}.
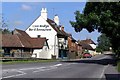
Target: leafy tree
{"x": 6, "y": 31}
{"x": 4, "y": 28}
{"x": 101, "y": 16}
{"x": 103, "y": 43}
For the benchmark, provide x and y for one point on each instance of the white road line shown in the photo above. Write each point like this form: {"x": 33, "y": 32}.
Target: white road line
{"x": 49, "y": 68}
{"x": 57, "y": 65}
{"x": 101, "y": 76}
{"x": 9, "y": 70}
{"x": 102, "y": 58}
{"x": 38, "y": 69}
{"x": 21, "y": 73}
{"x": 31, "y": 68}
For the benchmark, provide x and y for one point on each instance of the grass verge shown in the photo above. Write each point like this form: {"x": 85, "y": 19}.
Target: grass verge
{"x": 118, "y": 66}
{"x": 27, "y": 61}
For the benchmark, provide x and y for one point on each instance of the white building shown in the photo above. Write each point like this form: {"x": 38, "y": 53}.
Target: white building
{"x": 45, "y": 27}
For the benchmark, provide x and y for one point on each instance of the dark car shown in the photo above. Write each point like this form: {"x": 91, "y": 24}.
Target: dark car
{"x": 87, "y": 55}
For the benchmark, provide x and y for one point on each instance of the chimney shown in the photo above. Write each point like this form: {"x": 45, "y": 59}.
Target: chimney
{"x": 44, "y": 13}
{"x": 62, "y": 28}
{"x": 56, "y": 19}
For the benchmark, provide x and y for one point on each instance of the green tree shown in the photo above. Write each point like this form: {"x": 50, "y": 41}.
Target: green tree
{"x": 4, "y": 28}
{"x": 103, "y": 43}
{"x": 101, "y": 16}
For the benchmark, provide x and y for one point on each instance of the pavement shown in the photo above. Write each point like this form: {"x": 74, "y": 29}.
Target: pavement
{"x": 98, "y": 67}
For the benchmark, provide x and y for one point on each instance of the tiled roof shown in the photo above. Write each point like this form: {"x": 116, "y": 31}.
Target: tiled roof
{"x": 86, "y": 46}
{"x": 38, "y": 42}
{"x": 10, "y": 40}
{"x": 21, "y": 39}
{"x": 88, "y": 41}
{"x": 56, "y": 28}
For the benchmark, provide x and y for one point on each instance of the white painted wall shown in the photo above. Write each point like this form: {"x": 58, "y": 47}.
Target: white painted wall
{"x": 93, "y": 46}
{"x": 33, "y": 31}
{"x": 91, "y": 52}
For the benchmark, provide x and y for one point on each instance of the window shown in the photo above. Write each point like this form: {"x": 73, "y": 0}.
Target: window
{"x": 38, "y": 36}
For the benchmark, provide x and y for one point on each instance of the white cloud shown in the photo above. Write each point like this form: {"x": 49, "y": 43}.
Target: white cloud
{"x": 26, "y": 7}
{"x": 17, "y": 23}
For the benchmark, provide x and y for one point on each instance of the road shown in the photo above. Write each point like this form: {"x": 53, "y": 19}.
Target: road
{"x": 89, "y": 68}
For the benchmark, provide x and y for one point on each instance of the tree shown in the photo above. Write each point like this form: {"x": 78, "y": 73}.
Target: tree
{"x": 103, "y": 43}
{"x": 101, "y": 16}
{"x": 4, "y": 28}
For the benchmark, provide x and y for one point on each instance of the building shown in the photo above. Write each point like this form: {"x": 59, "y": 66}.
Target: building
{"x": 57, "y": 39}
{"x": 20, "y": 44}
{"x": 79, "y": 50}
{"x": 88, "y": 45}
{"x": 44, "y": 38}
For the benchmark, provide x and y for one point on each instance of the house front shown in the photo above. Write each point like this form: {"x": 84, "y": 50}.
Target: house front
{"x": 78, "y": 50}
{"x": 72, "y": 47}
{"x": 45, "y": 27}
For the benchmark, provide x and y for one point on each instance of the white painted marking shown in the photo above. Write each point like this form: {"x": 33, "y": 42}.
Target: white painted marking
{"x": 57, "y": 65}
{"x": 31, "y": 68}
{"x": 48, "y": 68}
{"x": 21, "y": 73}
{"x": 9, "y": 70}
{"x": 101, "y": 76}
{"x": 102, "y": 57}
{"x": 38, "y": 69}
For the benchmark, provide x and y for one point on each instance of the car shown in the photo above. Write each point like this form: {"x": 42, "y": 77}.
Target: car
{"x": 87, "y": 55}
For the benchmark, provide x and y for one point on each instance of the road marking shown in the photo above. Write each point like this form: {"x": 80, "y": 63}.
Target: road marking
{"x": 38, "y": 69}
{"x": 31, "y": 68}
{"x": 21, "y": 73}
{"x": 48, "y": 68}
{"x": 9, "y": 70}
{"x": 102, "y": 58}
{"x": 101, "y": 76}
{"x": 57, "y": 65}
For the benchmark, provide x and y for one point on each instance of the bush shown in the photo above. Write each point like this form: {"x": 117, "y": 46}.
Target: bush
{"x": 118, "y": 66}
{"x": 99, "y": 50}
{"x": 1, "y": 55}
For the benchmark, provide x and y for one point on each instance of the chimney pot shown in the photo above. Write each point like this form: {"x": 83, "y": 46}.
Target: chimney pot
{"x": 44, "y": 13}
{"x": 56, "y": 19}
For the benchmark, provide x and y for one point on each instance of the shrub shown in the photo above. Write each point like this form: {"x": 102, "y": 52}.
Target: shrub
{"x": 118, "y": 66}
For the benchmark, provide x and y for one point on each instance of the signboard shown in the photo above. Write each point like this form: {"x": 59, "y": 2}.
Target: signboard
{"x": 40, "y": 28}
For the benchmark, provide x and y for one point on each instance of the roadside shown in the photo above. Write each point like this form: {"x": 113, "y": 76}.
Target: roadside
{"x": 111, "y": 72}
{"x": 95, "y": 67}
{"x": 28, "y": 61}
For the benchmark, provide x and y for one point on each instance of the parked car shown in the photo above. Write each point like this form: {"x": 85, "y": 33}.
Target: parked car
{"x": 87, "y": 55}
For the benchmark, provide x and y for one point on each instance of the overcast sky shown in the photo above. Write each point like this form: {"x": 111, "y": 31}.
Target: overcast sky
{"x": 21, "y": 15}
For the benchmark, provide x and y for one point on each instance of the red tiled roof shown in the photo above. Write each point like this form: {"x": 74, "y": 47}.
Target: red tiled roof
{"x": 21, "y": 39}
{"x": 38, "y": 42}
{"x": 10, "y": 40}
{"x": 88, "y": 41}
{"x": 86, "y": 46}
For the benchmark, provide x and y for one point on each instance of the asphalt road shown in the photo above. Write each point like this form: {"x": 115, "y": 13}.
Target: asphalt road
{"x": 89, "y": 68}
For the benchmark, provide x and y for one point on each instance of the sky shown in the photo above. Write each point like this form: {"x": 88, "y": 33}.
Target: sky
{"x": 20, "y": 15}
